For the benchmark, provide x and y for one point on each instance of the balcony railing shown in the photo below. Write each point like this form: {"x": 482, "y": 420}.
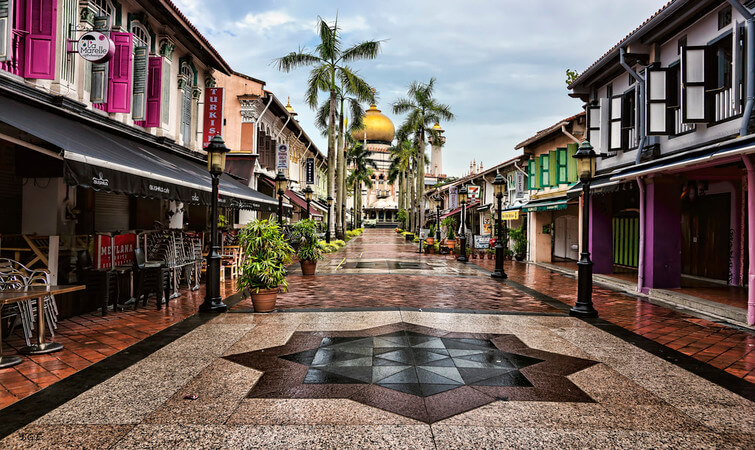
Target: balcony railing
{"x": 724, "y": 106}
{"x": 679, "y": 126}
{"x": 15, "y": 64}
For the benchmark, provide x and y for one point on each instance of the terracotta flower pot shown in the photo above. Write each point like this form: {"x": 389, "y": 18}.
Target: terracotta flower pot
{"x": 429, "y": 241}
{"x": 451, "y": 243}
{"x": 308, "y": 267}
{"x": 264, "y": 300}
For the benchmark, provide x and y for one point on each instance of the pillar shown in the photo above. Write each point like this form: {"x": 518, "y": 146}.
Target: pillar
{"x": 663, "y": 234}
{"x": 750, "y": 239}
{"x": 601, "y": 234}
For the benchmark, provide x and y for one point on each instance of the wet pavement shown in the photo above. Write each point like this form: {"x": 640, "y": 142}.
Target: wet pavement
{"x": 387, "y": 348}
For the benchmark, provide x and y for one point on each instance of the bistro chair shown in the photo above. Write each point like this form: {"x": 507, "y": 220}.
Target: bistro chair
{"x": 101, "y": 284}
{"x": 151, "y": 278}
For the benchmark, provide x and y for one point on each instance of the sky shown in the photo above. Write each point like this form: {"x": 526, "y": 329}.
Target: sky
{"x": 499, "y": 64}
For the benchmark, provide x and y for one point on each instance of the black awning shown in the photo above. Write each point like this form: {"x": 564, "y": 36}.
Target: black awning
{"x": 101, "y": 160}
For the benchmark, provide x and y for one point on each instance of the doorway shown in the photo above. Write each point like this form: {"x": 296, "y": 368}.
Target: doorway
{"x": 705, "y": 236}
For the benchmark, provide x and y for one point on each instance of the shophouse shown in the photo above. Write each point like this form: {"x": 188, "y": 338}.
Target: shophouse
{"x": 102, "y": 125}
{"x": 553, "y": 234}
{"x": 669, "y": 109}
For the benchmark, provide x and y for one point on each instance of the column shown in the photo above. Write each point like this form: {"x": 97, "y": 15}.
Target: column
{"x": 663, "y": 233}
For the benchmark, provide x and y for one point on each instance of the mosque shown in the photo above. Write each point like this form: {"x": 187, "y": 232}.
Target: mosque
{"x": 380, "y": 202}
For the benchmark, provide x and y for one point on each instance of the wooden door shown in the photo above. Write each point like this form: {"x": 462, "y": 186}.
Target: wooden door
{"x": 705, "y": 236}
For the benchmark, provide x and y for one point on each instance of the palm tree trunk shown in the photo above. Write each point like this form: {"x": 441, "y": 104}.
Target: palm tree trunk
{"x": 413, "y": 201}
{"x": 421, "y": 179}
{"x": 332, "y": 156}
{"x": 340, "y": 183}
{"x": 357, "y": 202}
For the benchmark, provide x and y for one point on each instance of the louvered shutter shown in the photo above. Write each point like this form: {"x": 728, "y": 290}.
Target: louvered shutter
{"x": 694, "y": 61}
{"x": 571, "y": 162}
{"x": 141, "y": 61}
{"x": 186, "y": 115}
{"x": 154, "y": 92}
{"x": 6, "y": 26}
{"x": 553, "y": 168}
{"x": 657, "y": 87}
{"x": 615, "y": 123}
{"x": 532, "y": 175}
{"x": 98, "y": 93}
{"x": 40, "y": 39}
{"x": 119, "y": 78}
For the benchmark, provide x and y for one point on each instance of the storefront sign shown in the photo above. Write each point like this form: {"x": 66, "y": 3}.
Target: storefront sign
{"x": 520, "y": 186}
{"x": 122, "y": 246}
{"x": 95, "y": 47}
{"x": 213, "y": 114}
{"x": 473, "y": 192}
{"x": 310, "y": 171}
{"x": 482, "y": 241}
{"x": 453, "y": 197}
{"x": 510, "y": 215}
{"x": 282, "y": 157}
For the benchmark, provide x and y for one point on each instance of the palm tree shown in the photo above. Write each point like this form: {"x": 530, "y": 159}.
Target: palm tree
{"x": 422, "y": 109}
{"x": 361, "y": 171}
{"x": 329, "y": 68}
{"x": 402, "y": 155}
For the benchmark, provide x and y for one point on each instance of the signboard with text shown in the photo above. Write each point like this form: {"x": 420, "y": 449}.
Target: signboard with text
{"x": 520, "y": 186}
{"x": 282, "y": 157}
{"x": 482, "y": 241}
{"x": 213, "y": 114}
{"x": 453, "y": 197}
{"x": 95, "y": 47}
{"x": 310, "y": 171}
{"x": 121, "y": 246}
{"x": 473, "y": 192}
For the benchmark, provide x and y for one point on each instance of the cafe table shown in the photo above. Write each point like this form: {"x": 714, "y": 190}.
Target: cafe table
{"x": 30, "y": 293}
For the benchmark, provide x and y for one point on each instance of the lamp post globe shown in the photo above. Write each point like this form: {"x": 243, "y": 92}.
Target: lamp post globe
{"x": 463, "y": 238}
{"x": 308, "y": 196}
{"x": 216, "y": 151}
{"x": 585, "y": 157}
{"x": 499, "y": 187}
{"x": 330, "y": 209}
{"x": 280, "y": 188}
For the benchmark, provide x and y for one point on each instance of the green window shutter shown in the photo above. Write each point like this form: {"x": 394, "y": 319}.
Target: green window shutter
{"x": 562, "y": 168}
{"x": 531, "y": 175}
{"x": 544, "y": 171}
{"x": 553, "y": 166}
{"x": 139, "y": 109}
{"x": 6, "y": 24}
{"x": 571, "y": 163}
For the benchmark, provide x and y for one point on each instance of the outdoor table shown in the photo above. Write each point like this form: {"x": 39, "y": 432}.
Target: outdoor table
{"x": 29, "y": 293}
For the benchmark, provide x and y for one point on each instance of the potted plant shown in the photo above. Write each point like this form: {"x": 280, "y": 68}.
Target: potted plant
{"x": 450, "y": 224}
{"x": 491, "y": 253}
{"x": 430, "y": 240}
{"x": 263, "y": 270}
{"x": 304, "y": 239}
{"x": 520, "y": 242}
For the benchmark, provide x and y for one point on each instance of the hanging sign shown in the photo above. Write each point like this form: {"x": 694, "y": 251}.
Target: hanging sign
{"x": 213, "y": 114}
{"x": 282, "y": 157}
{"x": 473, "y": 192}
{"x": 95, "y": 47}
{"x": 310, "y": 171}
{"x": 520, "y": 189}
{"x": 453, "y": 197}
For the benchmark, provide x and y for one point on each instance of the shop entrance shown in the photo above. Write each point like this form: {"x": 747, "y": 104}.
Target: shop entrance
{"x": 566, "y": 237}
{"x": 705, "y": 236}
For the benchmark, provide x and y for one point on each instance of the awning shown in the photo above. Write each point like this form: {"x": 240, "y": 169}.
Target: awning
{"x": 457, "y": 210}
{"x": 484, "y": 208}
{"x": 600, "y": 185}
{"x": 101, "y": 160}
{"x": 549, "y": 204}
{"x": 302, "y": 203}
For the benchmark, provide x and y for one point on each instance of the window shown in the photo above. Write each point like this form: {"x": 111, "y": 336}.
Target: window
{"x": 628, "y": 118}
{"x": 27, "y": 37}
{"x": 142, "y": 43}
{"x": 187, "y": 86}
{"x": 724, "y": 17}
{"x": 614, "y": 130}
{"x": 562, "y": 175}
{"x": 545, "y": 170}
{"x": 70, "y": 18}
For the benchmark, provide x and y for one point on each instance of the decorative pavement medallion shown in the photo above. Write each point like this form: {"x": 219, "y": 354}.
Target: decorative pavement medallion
{"x": 419, "y": 372}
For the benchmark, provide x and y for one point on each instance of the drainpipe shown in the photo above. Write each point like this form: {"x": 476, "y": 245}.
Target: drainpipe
{"x": 751, "y": 234}
{"x": 521, "y": 170}
{"x": 284, "y": 127}
{"x": 259, "y": 121}
{"x": 640, "y": 102}
{"x": 569, "y": 135}
{"x": 750, "y": 86}
{"x": 641, "y": 259}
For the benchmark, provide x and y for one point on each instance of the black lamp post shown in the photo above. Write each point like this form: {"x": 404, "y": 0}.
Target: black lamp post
{"x": 585, "y": 157}
{"x": 216, "y": 151}
{"x": 280, "y": 187}
{"x": 327, "y": 232}
{"x": 438, "y": 201}
{"x": 499, "y": 186}
{"x": 343, "y": 218}
{"x": 308, "y": 196}
{"x": 463, "y": 238}
{"x": 351, "y": 210}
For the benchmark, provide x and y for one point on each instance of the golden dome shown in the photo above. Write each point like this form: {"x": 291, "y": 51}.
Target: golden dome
{"x": 437, "y": 128}
{"x": 290, "y": 108}
{"x": 377, "y": 126}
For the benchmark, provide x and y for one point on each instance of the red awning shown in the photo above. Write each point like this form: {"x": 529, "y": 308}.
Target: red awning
{"x": 457, "y": 210}
{"x": 302, "y": 203}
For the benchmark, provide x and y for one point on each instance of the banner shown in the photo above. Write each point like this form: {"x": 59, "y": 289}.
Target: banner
{"x": 213, "y": 114}
{"x": 282, "y": 157}
{"x": 310, "y": 171}
{"x": 122, "y": 246}
{"x": 453, "y": 197}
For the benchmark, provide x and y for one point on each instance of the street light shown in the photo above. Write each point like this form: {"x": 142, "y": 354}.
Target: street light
{"x": 280, "y": 187}
{"x": 216, "y": 151}
{"x": 308, "y": 195}
{"x": 499, "y": 186}
{"x": 327, "y": 232}
{"x": 438, "y": 202}
{"x": 585, "y": 157}
{"x": 463, "y": 237}
{"x": 351, "y": 211}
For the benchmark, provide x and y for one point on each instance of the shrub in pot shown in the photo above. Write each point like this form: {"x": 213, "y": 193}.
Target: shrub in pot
{"x": 520, "y": 242}
{"x": 309, "y": 250}
{"x": 263, "y": 270}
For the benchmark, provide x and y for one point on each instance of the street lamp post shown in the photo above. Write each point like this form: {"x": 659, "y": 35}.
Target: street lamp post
{"x": 438, "y": 200}
{"x": 585, "y": 157}
{"x": 280, "y": 187}
{"x": 499, "y": 186}
{"x": 330, "y": 210}
{"x": 351, "y": 210}
{"x": 216, "y": 151}
{"x": 308, "y": 196}
{"x": 463, "y": 237}
{"x": 343, "y": 222}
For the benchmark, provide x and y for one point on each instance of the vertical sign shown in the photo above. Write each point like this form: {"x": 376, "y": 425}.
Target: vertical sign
{"x": 213, "y": 114}
{"x": 282, "y": 157}
{"x": 520, "y": 188}
{"x": 310, "y": 171}
{"x": 453, "y": 197}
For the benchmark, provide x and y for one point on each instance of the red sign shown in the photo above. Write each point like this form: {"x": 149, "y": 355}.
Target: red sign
{"x": 122, "y": 246}
{"x": 213, "y": 114}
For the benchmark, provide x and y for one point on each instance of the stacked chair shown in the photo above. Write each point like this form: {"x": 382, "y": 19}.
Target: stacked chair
{"x": 14, "y": 275}
{"x": 101, "y": 284}
{"x": 151, "y": 278}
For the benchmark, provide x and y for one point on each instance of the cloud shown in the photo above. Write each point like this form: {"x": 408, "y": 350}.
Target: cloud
{"x": 264, "y": 21}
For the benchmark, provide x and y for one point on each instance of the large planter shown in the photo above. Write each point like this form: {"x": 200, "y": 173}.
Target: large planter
{"x": 451, "y": 243}
{"x": 264, "y": 300}
{"x": 308, "y": 267}
{"x": 430, "y": 241}
{"x": 519, "y": 257}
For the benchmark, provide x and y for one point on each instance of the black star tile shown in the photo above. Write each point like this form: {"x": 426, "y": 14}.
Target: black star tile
{"x": 458, "y": 372}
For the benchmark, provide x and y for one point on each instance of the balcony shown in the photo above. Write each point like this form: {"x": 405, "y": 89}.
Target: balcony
{"x": 15, "y": 64}
{"x": 724, "y": 106}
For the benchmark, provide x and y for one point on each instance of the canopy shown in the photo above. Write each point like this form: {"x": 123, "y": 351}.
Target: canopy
{"x": 548, "y": 204}
{"x": 102, "y": 160}
{"x": 302, "y": 203}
